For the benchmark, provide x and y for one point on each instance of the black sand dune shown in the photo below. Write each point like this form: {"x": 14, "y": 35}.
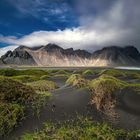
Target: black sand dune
{"x": 68, "y": 102}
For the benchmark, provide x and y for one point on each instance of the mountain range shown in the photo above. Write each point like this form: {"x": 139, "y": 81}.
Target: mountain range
{"x": 54, "y": 55}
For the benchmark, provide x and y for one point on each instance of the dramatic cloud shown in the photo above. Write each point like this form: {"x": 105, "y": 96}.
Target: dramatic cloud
{"x": 5, "y": 49}
{"x": 115, "y": 24}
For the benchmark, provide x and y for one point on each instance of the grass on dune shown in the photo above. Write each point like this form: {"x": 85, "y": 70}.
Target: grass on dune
{"x": 88, "y": 72}
{"x": 13, "y": 72}
{"x": 103, "y": 89}
{"x": 121, "y": 73}
{"x": 25, "y": 78}
{"x": 81, "y": 129}
{"x": 10, "y": 116}
{"x": 43, "y": 85}
{"x": 77, "y": 80}
{"x": 45, "y": 77}
{"x": 113, "y": 72}
{"x": 14, "y": 91}
{"x": 15, "y": 99}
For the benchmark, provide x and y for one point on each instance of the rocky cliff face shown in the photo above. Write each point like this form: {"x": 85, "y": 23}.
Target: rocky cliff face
{"x": 114, "y": 56}
{"x": 54, "y": 55}
{"x": 18, "y": 57}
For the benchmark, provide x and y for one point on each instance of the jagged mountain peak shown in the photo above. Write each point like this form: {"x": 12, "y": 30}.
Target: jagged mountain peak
{"x": 54, "y": 55}
{"x": 21, "y": 47}
{"x": 50, "y": 47}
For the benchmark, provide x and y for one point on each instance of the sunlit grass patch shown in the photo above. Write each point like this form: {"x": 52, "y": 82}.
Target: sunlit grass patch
{"x": 77, "y": 80}
{"x": 25, "y": 78}
{"x": 43, "y": 85}
{"x": 16, "y": 99}
{"x": 14, "y": 91}
{"x": 88, "y": 72}
{"x": 81, "y": 129}
{"x": 10, "y": 116}
{"x": 13, "y": 72}
{"x": 113, "y": 72}
{"x": 103, "y": 89}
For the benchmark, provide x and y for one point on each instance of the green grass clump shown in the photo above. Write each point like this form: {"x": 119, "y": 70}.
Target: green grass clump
{"x": 16, "y": 99}
{"x": 61, "y": 75}
{"x": 13, "y": 72}
{"x": 103, "y": 89}
{"x": 10, "y": 116}
{"x": 44, "y": 77}
{"x": 82, "y": 129}
{"x": 62, "y": 72}
{"x": 77, "y": 80}
{"x": 113, "y": 72}
{"x": 14, "y": 91}
{"x": 88, "y": 72}
{"x": 25, "y": 78}
{"x": 43, "y": 85}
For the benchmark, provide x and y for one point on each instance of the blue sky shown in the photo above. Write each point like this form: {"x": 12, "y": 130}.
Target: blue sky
{"x": 85, "y": 24}
{"x": 19, "y": 17}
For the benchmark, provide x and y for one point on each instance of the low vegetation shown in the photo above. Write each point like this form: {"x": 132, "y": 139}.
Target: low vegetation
{"x": 82, "y": 129}
{"x": 77, "y": 80}
{"x": 25, "y": 78}
{"x": 22, "y": 90}
{"x": 13, "y": 72}
{"x": 103, "y": 89}
{"x": 113, "y": 72}
{"x": 43, "y": 85}
{"x": 121, "y": 73}
{"x": 14, "y": 91}
{"x": 15, "y": 99}
{"x": 10, "y": 116}
{"x": 44, "y": 77}
{"x": 88, "y": 72}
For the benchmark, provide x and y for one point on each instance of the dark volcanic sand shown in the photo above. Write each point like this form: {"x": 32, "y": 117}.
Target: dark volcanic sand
{"x": 67, "y": 102}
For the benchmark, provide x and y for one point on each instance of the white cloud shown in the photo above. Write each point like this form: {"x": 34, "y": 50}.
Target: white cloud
{"x": 110, "y": 28}
{"x": 5, "y": 49}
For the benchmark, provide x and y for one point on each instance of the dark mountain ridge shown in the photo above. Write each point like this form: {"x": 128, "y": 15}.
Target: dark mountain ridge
{"x": 54, "y": 55}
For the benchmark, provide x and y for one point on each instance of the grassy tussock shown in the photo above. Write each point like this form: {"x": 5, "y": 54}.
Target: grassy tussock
{"x": 44, "y": 77}
{"x": 103, "y": 89}
{"x": 77, "y": 80}
{"x": 82, "y": 129}
{"x": 121, "y": 73}
{"x": 113, "y": 72}
{"x": 13, "y": 72}
{"x": 88, "y": 72}
{"x": 43, "y": 85}
{"x": 14, "y": 91}
{"x": 10, "y": 116}
{"x": 25, "y": 78}
{"x": 15, "y": 99}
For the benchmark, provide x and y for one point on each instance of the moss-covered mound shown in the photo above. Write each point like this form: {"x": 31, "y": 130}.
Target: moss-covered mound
{"x": 10, "y": 116}
{"x": 62, "y": 72}
{"x": 16, "y": 99}
{"x": 77, "y": 80}
{"x": 88, "y": 72}
{"x": 25, "y": 78}
{"x": 13, "y": 72}
{"x": 113, "y": 72}
{"x": 43, "y": 85}
{"x": 44, "y": 77}
{"x": 83, "y": 129}
{"x": 103, "y": 89}
{"x": 14, "y": 91}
